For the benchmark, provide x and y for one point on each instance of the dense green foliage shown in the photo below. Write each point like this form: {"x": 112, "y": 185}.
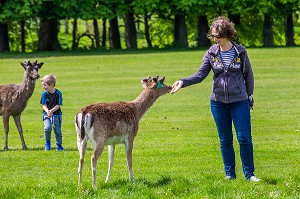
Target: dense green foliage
{"x": 176, "y": 152}
{"x": 247, "y": 15}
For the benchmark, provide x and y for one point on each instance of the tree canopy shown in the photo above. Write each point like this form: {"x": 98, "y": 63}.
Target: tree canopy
{"x": 39, "y": 24}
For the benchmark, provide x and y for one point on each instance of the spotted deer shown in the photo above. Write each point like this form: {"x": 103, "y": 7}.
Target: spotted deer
{"x": 114, "y": 123}
{"x": 14, "y": 97}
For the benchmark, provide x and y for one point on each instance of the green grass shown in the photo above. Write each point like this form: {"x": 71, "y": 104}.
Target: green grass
{"x": 176, "y": 152}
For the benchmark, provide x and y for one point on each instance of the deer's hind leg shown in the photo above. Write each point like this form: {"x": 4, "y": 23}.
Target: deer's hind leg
{"x": 98, "y": 148}
{"x": 82, "y": 150}
{"x": 17, "y": 120}
{"x": 111, "y": 154}
{"x": 6, "y": 129}
{"x": 128, "y": 150}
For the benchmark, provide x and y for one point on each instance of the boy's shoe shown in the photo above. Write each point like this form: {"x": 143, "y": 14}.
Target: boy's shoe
{"x": 254, "y": 179}
{"x": 59, "y": 147}
{"x": 48, "y": 146}
{"x": 229, "y": 178}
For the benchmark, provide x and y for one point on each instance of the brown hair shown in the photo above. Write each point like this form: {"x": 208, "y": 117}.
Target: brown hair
{"x": 49, "y": 79}
{"x": 224, "y": 27}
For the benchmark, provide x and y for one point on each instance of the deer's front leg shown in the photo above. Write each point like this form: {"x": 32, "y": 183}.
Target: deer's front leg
{"x": 20, "y": 129}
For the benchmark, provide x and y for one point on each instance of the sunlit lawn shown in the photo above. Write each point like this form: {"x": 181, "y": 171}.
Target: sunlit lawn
{"x": 176, "y": 152}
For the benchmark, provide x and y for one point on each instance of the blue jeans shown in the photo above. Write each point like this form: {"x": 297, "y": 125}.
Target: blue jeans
{"x": 56, "y": 122}
{"x": 237, "y": 113}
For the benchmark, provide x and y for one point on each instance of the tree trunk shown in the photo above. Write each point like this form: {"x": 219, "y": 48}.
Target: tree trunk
{"x": 22, "y": 24}
{"x": 203, "y": 29}
{"x": 114, "y": 34}
{"x": 180, "y": 31}
{"x": 4, "y": 44}
{"x": 103, "y": 33}
{"x": 96, "y": 32}
{"x": 66, "y": 26}
{"x": 130, "y": 31}
{"x": 267, "y": 31}
{"x": 48, "y": 35}
{"x": 147, "y": 35}
{"x": 236, "y": 19}
{"x": 290, "y": 30}
{"x": 74, "y": 40}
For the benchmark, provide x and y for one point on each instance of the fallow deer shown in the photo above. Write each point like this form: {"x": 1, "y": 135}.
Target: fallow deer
{"x": 114, "y": 123}
{"x": 14, "y": 97}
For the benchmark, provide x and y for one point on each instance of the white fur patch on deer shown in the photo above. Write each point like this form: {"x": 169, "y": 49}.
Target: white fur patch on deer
{"x": 114, "y": 123}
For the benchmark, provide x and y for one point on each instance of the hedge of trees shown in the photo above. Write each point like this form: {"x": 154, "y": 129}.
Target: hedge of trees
{"x": 49, "y": 25}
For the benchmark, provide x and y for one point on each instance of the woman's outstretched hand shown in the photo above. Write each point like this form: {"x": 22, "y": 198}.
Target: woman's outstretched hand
{"x": 176, "y": 86}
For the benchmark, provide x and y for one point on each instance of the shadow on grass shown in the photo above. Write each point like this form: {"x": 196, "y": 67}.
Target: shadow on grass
{"x": 92, "y": 52}
{"x": 37, "y": 149}
{"x": 177, "y": 187}
{"x": 162, "y": 181}
{"x": 19, "y": 55}
{"x": 270, "y": 181}
{"x": 118, "y": 184}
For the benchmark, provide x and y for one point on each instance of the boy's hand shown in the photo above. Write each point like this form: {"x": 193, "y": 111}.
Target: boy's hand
{"x": 50, "y": 113}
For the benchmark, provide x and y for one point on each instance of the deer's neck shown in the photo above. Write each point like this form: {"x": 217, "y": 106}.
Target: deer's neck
{"x": 143, "y": 102}
{"x": 27, "y": 88}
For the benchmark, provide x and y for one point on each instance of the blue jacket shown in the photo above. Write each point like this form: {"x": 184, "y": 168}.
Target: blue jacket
{"x": 232, "y": 84}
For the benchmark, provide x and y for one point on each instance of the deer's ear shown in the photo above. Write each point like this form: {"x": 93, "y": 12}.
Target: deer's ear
{"x": 147, "y": 79}
{"x": 162, "y": 79}
{"x": 24, "y": 65}
{"x": 40, "y": 64}
{"x": 144, "y": 83}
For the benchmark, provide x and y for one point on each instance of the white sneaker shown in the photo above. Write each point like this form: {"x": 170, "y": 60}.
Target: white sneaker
{"x": 254, "y": 179}
{"x": 229, "y": 178}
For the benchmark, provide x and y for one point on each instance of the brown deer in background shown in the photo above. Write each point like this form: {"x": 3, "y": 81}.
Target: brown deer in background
{"x": 14, "y": 97}
{"x": 114, "y": 123}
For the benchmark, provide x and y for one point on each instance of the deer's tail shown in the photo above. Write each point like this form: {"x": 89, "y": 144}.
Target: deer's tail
{"x": 84, "y": 122}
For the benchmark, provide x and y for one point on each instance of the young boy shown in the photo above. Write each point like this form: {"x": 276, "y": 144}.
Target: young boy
{"x": 52, "y": 116}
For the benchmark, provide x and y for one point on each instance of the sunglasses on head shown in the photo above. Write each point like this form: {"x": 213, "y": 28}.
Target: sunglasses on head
{"x": 212, "y": 36}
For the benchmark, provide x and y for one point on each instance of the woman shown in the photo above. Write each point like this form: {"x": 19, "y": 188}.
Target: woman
{"x": 231, "y": 97}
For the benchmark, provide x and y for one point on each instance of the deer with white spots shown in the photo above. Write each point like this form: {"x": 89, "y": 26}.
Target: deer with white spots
{"x": 14, "y": 97}
{"x": 114, "y": 123}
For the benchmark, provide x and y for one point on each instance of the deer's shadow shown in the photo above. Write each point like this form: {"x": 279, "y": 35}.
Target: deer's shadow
{"x": 116, "y": 184}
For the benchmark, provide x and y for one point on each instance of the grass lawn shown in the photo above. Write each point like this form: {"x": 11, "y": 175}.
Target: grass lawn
{"x": 176, "y": 152}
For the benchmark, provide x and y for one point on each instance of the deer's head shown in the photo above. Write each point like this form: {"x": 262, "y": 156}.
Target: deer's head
{"x": 156, "y": 84}
{"x": 32, "y": 69}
